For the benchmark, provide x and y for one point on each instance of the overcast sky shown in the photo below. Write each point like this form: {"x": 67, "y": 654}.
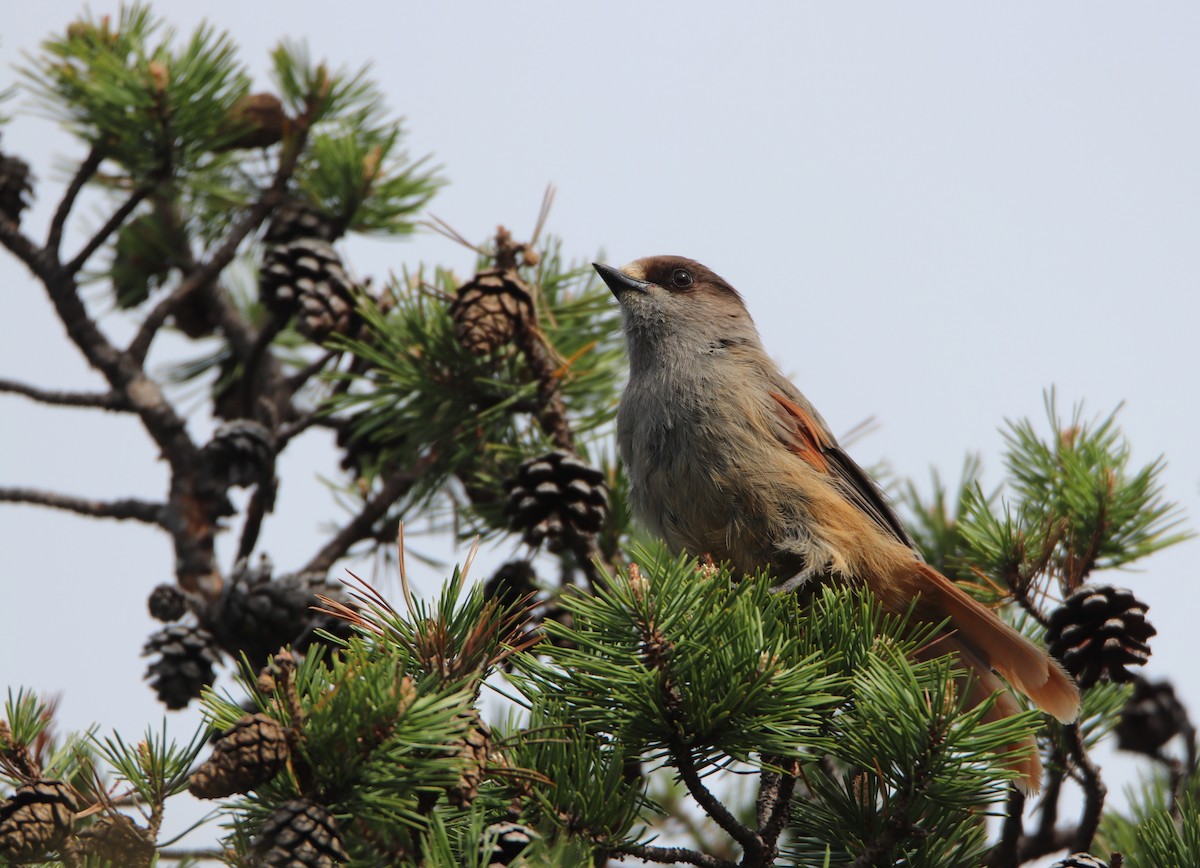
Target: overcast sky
{"x": 935, "y": 211}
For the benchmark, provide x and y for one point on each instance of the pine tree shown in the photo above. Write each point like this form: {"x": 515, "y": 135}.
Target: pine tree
{"x": 658, "y": 709}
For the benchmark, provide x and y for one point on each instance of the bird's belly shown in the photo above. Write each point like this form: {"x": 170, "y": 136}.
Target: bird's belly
{"x": 689, "y": 491}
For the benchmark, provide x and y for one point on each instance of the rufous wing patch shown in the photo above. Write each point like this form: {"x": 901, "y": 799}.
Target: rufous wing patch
{"x": 807, "y": 440}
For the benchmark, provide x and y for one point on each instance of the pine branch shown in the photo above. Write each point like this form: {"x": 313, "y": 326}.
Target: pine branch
{"x": 126, "y": 508}
{"x": 110, "y": 226}
{"x": 898, "y": 827}
{"x": 553, "y": 415}
{"x": 362, "y": 525}
{"x": 1004, "y": 854}
{"x": 1094, "y": 789}
{"x": 113, "y": 401}
{"x": 260, "y": 503}
{"x": 205, "y": 273}
{"x": 86, "y": 170}
{"x": 774, "y": 800}
{"x": 22, "y": 247}
{"x": 670, "y": 855}
{"x": 690, "y": 775}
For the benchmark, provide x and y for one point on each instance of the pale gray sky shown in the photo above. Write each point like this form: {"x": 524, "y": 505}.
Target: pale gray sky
{"x": 934, "y": 211}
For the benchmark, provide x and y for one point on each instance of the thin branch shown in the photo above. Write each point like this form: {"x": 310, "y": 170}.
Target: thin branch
{"x": 110, "y": 226}
{"x": 127, "y": 508}
{"x": 86, "y": 170}
{"x": 206, "y": 273}
{"x": 671, "y": 855}
{"x": 1035, "y": 846}
{"x": 1094, "y": 790}
{"x": 99, "y": 400}
{"x": 1004, "y": 854}
{"x": 898, "y": 827}
{"x": 553, "y": 414}
{"x": 774, "y": 800}
{"x": 302, "y": 376}
{"x": 22, "y": 247}
{"x": 724, "y": 818}
{"x": 314, "y": 419}
{"x": 260, "y": 503}
{"x": 1052, "y": 793}
{"x": 362, "y": 525}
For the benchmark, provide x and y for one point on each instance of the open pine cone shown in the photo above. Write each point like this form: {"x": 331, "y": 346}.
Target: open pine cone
{"x": 1098, "y": 633}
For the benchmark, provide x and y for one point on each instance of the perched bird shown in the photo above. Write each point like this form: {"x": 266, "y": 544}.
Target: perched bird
{"x": 726, "y": 458}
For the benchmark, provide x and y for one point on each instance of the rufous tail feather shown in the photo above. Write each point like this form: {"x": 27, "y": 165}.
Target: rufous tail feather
{"x": 986, "y": 645}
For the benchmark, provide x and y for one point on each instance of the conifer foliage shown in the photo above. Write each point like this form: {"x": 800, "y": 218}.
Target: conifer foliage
{"x": 635, "y": 707}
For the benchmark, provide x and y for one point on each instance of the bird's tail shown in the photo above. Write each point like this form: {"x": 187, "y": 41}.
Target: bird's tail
{"x": 986, "y": 646}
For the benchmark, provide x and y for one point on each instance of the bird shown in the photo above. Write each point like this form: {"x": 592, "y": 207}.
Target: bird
{"x": 728, "y": 460}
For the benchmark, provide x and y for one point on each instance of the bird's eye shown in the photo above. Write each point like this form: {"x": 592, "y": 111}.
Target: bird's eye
{"x": 681, "y": 278}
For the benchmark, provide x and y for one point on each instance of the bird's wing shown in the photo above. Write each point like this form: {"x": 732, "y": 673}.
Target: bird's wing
{"x": 806, "y": 435}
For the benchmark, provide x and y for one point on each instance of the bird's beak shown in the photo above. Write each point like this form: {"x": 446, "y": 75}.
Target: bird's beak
{"x": 618, "y": 281}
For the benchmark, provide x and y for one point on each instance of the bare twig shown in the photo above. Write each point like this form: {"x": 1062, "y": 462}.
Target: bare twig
{"x": 362, "y": 525}
{"x": 774, "y": 801}
{"x": 1004, "y": 854}
{"x": 111, "y": 225}
{"x": 745, "y": 836}
{"x": 313, "y": 419}
{"x": 97, "y": 400}
{"x": 1094, "y": 790}
{"x": 84, "y": 174}
{"x": 670, "y": 855}
{"x": 205, "y": 273}
{"x": 22, "y": 247}
{"x": 553, "y": 414}
{"x": 260, "y": 504}
{"x": 125, "y": 509}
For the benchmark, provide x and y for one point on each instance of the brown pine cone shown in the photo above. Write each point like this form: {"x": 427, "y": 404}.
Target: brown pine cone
{"x": 300, "y": 834}
{"x": 36, "y": 819}
{"x": 118, "y": 839}
{"x": 257, "y": 120}
{"x": 1098, "y": 632}
{"x": 241, "y": 453}
{"x": 186, "y": 656}
{"x": 508, "y": 841}
{"x": 556, "y": 498}
{"x": 489, "y": 309}
{"x": 296, "y": 219}
{"x": 1151, "y": 717}
{"x": 306, "y": 277}
{"x": 244, "y": 758}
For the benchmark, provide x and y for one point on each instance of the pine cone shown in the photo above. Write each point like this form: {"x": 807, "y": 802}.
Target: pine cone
{"x": 258, "y": 120}
{"x": 259, "y": 614}
{"x": 489, "y": 309}
{"x": 1151, "y": 717}
{"x": 240, "y": 453}
{"x": 118, "y": 839}
{"x": 474, "y": 751}
{"x": 186, "y": 656}
{"x": 556, "y": 498}
{"x": 300, "y": 834}
{"x": 16, "y": 187}
{"x": 307, "y": 277}
{"x": 167, "y": 603}
{"x": 244, "y": 758}
{"x": 1098, "y": 632}
{"x": 510, "y": 584}
{"x": 508, "y": 841}
{"x": 296, "y": 219}
{"x": 1080, "y": 860}
{"x": 36, "y": 819}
